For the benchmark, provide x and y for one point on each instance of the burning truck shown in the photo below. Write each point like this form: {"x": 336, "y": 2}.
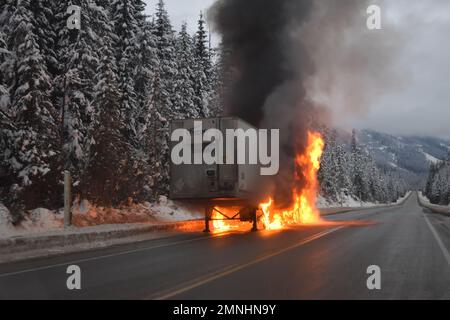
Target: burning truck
{"x": 224, "y": 185}
{"x": 283, "y": 73}
{"x": 219, "y": 170}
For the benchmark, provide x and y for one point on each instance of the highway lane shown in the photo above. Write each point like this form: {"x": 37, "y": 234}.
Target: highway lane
{"x": 409, "y": 244}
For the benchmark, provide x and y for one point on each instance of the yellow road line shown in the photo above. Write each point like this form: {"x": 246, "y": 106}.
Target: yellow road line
{"x": 204, "y": 280}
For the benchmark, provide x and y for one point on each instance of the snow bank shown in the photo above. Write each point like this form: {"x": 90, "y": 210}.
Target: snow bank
{"x": 322, "y": 203}
{"x": 424, "y": 199}
{"x": 5, "y": 220}
{"x": 86, "y": 214}
{"x": 82, "y": 207}
{"x": 42, "y": 220}
{"x": 346, "y": 202}
{"x": 37, "y": 221}
{"x": 350, "y": 202}
{"x": 164, "y": 210}
{"x": 399, "y": 201}
{"x": 167, "y": 210}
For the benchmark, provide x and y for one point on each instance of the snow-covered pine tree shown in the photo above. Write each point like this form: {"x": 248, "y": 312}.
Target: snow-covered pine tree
{"x": 185, "y": 80}
{"x": 116, "y": 169}
{"x": 7, "y": 9}
{"x": 438, "y": 184}
{"x": 6, "y": 124}
{"x": 343, "y": 163}
{"x": 4, "y": 56}
{"x": 162, "y": 103}
{"x": 102, "y": 181}
{"x": 328, "y": 170}
{"x": 434, "y": 169}
{"x": 78, "y": 57}
{"x": 167, "y": 71}
{"x": 157, "y": 143}
{"x": 358, "y": 168}
{"x": 7, "y": 56}
{"x": 104, "y": 4}
{"x": 202, "y": 47}
{"x": 34, "y": 145}
{"x": 203, "y": 83}
{"x": 46, "y": 29}
{"x": 127, "y": 20}
{"x": 141, "y": 17}
{"x": 147, "y": 63}
{"x": 221, "y": 80}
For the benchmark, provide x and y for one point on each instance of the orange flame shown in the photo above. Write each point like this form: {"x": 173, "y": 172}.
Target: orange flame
{"x": 221, "y": 225}
{"x": 304, "y": 209}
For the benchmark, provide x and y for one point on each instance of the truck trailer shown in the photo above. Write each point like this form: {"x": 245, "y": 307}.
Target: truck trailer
{"x": 216, "y": 185}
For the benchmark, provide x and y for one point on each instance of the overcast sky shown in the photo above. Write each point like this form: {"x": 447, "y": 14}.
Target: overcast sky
{"x": 182, "y": 10}
{"x": 421, "y": 105}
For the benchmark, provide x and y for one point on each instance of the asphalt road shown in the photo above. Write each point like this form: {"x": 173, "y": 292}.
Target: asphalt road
{"x": 410, "y": 245}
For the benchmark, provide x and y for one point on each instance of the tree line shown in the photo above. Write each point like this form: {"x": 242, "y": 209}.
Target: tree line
{"x": 96, "y": 101}
{"x": 349, "y": 170}
{"x": 437, "y": 188}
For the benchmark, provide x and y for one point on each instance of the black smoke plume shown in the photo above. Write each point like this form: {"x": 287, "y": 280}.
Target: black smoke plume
{"x": 283, "y": 60}
{"x": 257, "y": 34}
{"x": 267, "y": 90}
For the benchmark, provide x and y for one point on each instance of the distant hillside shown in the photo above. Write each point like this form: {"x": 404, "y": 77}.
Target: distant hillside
{"x": 409, "y": 155}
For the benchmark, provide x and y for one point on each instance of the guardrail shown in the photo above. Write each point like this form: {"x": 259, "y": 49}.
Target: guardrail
{"x": 332, "y": 211}
{"x": 432, "y": 207}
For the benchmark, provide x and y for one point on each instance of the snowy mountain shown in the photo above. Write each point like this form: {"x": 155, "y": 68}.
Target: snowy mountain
{"x": 411, "y": 156}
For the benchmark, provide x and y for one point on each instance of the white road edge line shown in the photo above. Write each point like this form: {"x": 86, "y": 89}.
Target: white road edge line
{"x": 212, "y": 277}
{"x": 9, "y": 274}
{"x": 438, "y": 240}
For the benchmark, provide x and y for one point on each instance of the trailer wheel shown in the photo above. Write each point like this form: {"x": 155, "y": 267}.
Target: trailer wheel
{"x": 208, "y": 215}
{"x": 255, "y": 221}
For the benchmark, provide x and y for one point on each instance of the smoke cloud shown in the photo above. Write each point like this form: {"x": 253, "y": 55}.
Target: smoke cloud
{"x": 297, "y": 63}
{"x": 354, "y": 66}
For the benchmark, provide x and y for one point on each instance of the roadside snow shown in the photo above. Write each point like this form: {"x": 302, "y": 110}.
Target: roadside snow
{"x": 322, "y": 202}
{"x": 427, "y": 201}
{"x": 423, "y": 198}
{"x": 38, "y": 220}
{"x": 350, "y": 202}
{"x": 42, "y": 219}
{"x": 346, "y": 202}
{"x": 168, "y": 210}
{"x": 5, "y": 220}
{"x": 86, "y": 214}
{"x": 404, "y": 198}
